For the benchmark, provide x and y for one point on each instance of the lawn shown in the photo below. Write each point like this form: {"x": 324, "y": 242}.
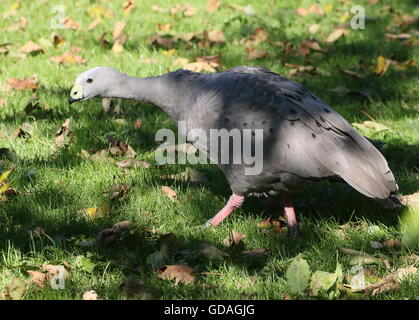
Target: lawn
{"x": 58, "y": 204}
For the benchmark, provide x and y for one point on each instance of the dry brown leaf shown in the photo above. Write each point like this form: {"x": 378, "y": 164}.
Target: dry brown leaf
{"x": 162, "y": 41}
{"x": 391, "y": 282}
{"x": 170, "y": 193}
{"x": 313, "y": 28}
{"x": 254, "y": 252}
{"x": 302, "y": 12}
{"x": 157, "y": 8}
{"x": 31, "y": 83}
{"x": 57, "y": 40}
{"x": 94, "y": 24}
{"x": 148, "y": 61}
{"x": 350, "y": 73}
{"x": 118, "y": 192}
{"x": 37, "y": 277}
{"x": 21, "y": 25}
{"x": 138, "y": 123}
{"x": 189, "y": 11}
{"x": 233, "y": 238}
{"x": 213, "y": 5}
{"x": 132, "y": 163}
{"x": 69, "y": 23}
{"x": 68, "y": 58}
{"x": 411, "y": 199}
{"x": 336, "y": 34}
{"x": 64, "y": 134}
{"x": 186, "y": 36}
{"x": 180, "y": 62}
{"x": 400, "y": 36}
{"x": 128, "y": 6}
{"x": 392, "y": 243}
{"x": 214, "y": 61}
{"x": 118, "y": 28}
{"x": 180, "y": 273}
{"x": 164, "y": 27}
{"x": 253, "y": 54}
{"x": 216, "y": 36}
{"x": 31, "y": 47}
{"x": 199, "y": 66}
{"x": 260, "y": 35}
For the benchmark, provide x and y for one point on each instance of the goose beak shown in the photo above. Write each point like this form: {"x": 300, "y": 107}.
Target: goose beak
{"x": 76, "y": 94}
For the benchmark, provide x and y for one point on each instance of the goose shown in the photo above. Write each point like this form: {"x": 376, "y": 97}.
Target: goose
{"x": 303, "y": 139}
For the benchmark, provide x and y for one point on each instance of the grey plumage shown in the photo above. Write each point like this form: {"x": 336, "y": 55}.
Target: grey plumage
{"x": 304, "y": 139}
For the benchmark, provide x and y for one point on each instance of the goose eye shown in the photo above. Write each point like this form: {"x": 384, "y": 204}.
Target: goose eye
{"x": 89, "y": 80}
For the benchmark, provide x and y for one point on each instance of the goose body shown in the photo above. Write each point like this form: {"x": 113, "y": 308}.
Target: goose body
{"x": 304, "y": 140}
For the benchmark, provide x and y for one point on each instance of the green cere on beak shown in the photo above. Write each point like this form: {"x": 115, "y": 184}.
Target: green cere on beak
{"x": 76, "y": 93}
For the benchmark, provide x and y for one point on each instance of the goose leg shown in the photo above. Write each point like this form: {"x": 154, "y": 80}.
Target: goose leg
{"x": 293, "y": 226}
{"x": 233, "y": 203}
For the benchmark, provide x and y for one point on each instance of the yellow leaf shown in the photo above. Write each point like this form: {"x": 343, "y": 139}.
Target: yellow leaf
{"x": 169, "y": 53}
{"x": 6, "y": 174}
{"x": 382, "y": 65}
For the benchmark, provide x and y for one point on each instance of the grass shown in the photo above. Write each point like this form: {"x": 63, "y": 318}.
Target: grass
{"x": 56, "y": 184}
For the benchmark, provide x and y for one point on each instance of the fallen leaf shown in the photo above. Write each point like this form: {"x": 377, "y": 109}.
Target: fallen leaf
{"x": 162, "y": 41}
{"x": 392, "y": 243}
{"x": 336, "y": 34}
{"x": 21, "y": 25}
{"x": 180, "y": 273}
{"x": 128, "y": 6}
{"x": 199, "y": 66}
{"x": 94, "y": 24}
{"x": 98, "y": 12}
{"x": 90, "y": 295}
{"x": 391, "y": 282}
{"x": 358, "y": 257}
{"x": 298, "y": 276}
{"x": 118, "y": 28}
{"x": 157, "y": 8}
{"x": 68, "y": 58}
{"x": 15, "y": 290}
{"x": 64, "y": 134}
{"x": 350, "y": 73}
{"x": 31, "y": 83}
{"x": 260, "y": 35}
{"x": 322, "y": 281}
{"x": 57, "y": 40}
{"x": 213, "y": 5}
{"x": 69, "y": 23}
{"x": 400, "y": 36}
{"x": 376, "y": 126}
{"x": 233, "y": 238}
{"x": 410, "y": 200}
{"x": 314, "y": 28}
{"x": 254, "y": 252}
{"x": 212, "y": 253}
{"x": 148, "y": 61}
{"x": 180, "y": 62}
{"x": 189, "y": 11}
{"x": 216, "y": 36}
{"x": 382, "y": 65}
{"x": 117, "y": 192}
{"x": 25, "y": 130}
{"x": 95, "y": 212}
{"x": 253, "y": 54}
{"x": 37, "y": 277}
{"x": 164, "y": 27}
{"x": 170, "y": 193}
{"x": 132, "y": 163}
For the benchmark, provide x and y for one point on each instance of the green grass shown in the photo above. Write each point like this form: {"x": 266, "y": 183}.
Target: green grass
{"x": 56, "y": 184}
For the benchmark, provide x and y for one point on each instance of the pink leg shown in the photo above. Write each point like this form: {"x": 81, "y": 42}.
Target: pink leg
{"x": 233, "y": 203}
{"x": 292, "y": 222}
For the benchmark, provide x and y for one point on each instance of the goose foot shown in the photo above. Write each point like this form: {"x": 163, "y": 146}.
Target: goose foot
{"x": 293, "y": 226}
{"x": 233, "y": 203}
